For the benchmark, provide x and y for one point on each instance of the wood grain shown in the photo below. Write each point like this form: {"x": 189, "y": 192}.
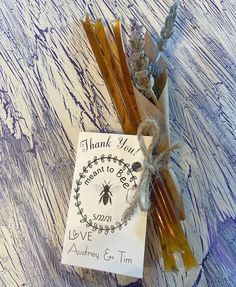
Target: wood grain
{"x": 51, "y": 88}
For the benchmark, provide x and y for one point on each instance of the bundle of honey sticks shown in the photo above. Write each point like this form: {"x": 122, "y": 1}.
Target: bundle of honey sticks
{"x": 166, "y": 204}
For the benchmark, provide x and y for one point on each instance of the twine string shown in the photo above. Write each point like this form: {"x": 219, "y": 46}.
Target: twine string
{"x": 153, "y": 164}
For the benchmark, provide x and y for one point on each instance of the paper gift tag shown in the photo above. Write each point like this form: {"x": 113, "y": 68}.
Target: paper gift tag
{"x": 106, "y": 173}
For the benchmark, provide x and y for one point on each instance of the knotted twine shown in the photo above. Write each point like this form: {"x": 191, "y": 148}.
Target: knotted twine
{"x": 153, "y": 164}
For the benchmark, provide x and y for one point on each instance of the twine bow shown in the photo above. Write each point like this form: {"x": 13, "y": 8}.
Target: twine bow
{"x": 152, "y": 165}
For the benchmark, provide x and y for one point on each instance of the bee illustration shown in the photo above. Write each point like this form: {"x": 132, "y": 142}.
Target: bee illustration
{"x": 106, "y": 193}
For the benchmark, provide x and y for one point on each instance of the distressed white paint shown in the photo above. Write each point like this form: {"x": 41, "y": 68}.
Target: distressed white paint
{"x": 50, "y": 89}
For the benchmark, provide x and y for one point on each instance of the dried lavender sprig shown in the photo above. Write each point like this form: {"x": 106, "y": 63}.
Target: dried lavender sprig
{"x": 168, "y": 29}
{"x": 166, "y": 32}
{"x": 140, "y": 62}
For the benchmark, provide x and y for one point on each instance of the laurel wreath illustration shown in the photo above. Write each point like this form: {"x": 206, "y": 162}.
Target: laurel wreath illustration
{"x": 88, "y": 221}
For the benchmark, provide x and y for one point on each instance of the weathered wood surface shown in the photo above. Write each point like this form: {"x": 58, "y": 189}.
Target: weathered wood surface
{"x": 50, "y": 89}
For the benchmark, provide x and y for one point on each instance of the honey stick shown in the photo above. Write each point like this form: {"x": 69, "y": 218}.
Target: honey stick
{"x": 131, "y": 101}
{"x": 176, "y": 241}
{"x": 174, "y": 196}
{"x": 107, "y": 76}
{"x": 115, "y": 67}
{"x": 162, "y": 212}
{"x": 168, "y": 258}
{"x": 165, "y": 199}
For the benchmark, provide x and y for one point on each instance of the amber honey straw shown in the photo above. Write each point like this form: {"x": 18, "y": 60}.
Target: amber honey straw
{"x": 165, "y": 199}
{"x": 116, "y": 70}
{"x": 162, "y": 209}
{"x": 176, "y": 240}
{"x": 173, "y": 194}
{"x": 167, "y": 239}
{"x": 169, "y": 259}
{"x": 107, "y": 76}
{"x": 133, "y": 108}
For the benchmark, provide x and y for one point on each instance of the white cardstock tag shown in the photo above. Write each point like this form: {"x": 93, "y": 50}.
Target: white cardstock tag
{"x": 105, "y": 177}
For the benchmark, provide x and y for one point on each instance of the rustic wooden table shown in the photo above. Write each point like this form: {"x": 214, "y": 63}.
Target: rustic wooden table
{"x": 50, "y": 89}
